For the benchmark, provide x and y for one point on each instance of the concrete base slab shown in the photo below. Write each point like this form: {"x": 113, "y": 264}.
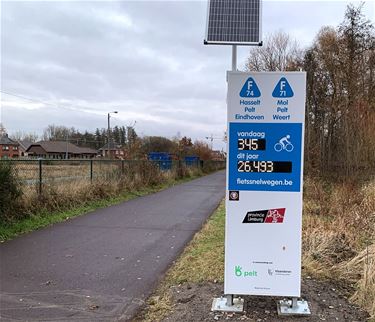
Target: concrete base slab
{"x": 293, "y": 307}
{"x": 220, "y": 304}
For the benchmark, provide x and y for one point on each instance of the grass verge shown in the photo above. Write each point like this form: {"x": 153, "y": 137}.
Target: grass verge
{"x": 201, "y": 261}
{"x": 44, "y": 218}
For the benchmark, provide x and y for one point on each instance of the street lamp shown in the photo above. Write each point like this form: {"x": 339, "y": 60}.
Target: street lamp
{"x": 109, "y": 131}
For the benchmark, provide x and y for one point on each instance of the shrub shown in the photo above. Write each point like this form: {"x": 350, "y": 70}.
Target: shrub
{"x": 10, "y": 192}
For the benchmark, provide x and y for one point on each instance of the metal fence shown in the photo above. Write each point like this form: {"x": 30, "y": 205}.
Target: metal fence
{"x": 37, "y": 175}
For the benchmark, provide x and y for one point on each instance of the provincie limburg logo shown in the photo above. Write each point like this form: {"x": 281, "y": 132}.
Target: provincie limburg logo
{"x": 268, "y": 216}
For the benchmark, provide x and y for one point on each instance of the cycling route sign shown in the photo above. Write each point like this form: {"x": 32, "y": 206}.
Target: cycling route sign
{"x": 266, "y": 113}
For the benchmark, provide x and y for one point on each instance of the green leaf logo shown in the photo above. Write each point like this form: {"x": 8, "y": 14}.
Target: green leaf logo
{"x": 238, "y": 271}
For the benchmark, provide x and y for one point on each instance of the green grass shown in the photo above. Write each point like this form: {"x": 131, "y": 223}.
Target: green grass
{"x": 43, "y": 219}
{"x": 201, "y": 261}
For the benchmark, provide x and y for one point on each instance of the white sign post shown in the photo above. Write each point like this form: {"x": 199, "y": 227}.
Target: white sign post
{"x": 266, "y": 114}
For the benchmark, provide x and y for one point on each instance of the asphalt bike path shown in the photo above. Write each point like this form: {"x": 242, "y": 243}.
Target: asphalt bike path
{"x": 102, "y": 266}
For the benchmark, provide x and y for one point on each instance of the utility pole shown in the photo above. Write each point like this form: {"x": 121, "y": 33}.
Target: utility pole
{"x": 67, "y": 142}
{"x": 212, "y": 138}
{"x": 109, "y": 133}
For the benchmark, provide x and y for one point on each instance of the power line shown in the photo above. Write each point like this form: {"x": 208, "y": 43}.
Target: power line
{"x": 26, "y": 98}
{"x": 47, "y": 103}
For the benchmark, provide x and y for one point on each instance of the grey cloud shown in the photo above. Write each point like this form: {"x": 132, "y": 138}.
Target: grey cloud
{"x": 146, "y": 58}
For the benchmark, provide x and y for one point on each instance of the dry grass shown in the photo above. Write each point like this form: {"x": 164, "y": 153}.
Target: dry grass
{"x": 68, "y": 185}
{"x": 361, "y": 271}
{"x": 30, "y": 170}
{"x": 339, "y": 235}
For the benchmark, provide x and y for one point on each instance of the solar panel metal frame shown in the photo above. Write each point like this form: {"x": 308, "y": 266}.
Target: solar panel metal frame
{"x": 257, "y": 43}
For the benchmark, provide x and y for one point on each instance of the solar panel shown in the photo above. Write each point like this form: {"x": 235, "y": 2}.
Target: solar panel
{"x": 233, "y": 22}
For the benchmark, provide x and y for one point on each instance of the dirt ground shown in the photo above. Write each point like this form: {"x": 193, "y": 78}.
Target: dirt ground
{"x": 327, "y": 301}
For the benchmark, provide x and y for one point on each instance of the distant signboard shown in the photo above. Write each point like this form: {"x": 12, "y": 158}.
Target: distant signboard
{"x": 162, "y": 159}
{"x": 266, "y": 113}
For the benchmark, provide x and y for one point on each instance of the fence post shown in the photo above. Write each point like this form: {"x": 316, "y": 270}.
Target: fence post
{"x": 91, "y": 170}
{"x": 122, "y": 167}
{"x": 40, "y": 177}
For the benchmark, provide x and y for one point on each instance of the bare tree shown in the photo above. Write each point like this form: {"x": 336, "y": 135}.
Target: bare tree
{"x": 57, "y": 132}
{"x": 23, "y": 136}
{"x": 340, "y": 123}
{"x": 279, "y": 53}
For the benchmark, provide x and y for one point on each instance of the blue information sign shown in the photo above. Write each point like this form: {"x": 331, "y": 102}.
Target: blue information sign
{"x": 268, "y": 156}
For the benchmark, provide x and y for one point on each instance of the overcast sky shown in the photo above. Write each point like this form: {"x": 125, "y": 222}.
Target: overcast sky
{"x": 146, "y": 59}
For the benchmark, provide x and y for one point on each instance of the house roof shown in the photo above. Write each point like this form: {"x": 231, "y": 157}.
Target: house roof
{"x": 87, "y": 150}
{"x": 25, "y": 144}
{"x": 4, "y": 139}
{"x": 61, "y": 147}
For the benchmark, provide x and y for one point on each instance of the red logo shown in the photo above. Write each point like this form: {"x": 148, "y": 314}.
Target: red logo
{"x": 275, "y": 216}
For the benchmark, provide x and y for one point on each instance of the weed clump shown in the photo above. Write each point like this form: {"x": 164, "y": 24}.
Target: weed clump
{"x": 339, "y": 234}
{"x": 10, "y": 193}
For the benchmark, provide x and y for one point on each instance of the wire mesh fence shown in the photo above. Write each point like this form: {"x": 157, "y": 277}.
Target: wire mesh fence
{"x": 43, "y": 176}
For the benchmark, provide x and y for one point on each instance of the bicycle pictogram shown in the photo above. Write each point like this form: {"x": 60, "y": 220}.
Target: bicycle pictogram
{"x": 284, "y": 144}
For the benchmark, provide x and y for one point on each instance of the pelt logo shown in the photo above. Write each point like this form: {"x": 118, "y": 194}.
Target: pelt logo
{"x": 238, "y": 272}
{"x": 269, "y": 216}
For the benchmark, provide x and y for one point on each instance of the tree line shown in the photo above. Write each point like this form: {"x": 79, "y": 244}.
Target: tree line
{"x": 340, "y": 104}
{"x": 125, "y": 138}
